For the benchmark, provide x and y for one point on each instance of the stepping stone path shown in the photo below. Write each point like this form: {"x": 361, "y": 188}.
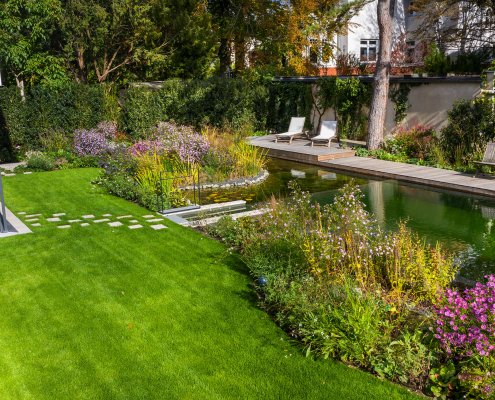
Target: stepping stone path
{"x": 115, "y": 224}
{"x": 130, "y": 221}
{"x": 158, "y": 227}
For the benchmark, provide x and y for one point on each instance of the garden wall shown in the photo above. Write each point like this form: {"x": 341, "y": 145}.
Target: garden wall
{"x": 431, "y": 98}
{"x": 428, "y": 99}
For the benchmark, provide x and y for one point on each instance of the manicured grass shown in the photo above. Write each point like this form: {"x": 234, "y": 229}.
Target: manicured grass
{"x": 111, "y": 313}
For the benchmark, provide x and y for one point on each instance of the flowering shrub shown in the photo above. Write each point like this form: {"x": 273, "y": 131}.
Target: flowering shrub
{"x": 465, "y": 323}
{"x": 149, "y": 146}
{"x": 344, "y": 287}
{"x": 108, "y": 129}
{"x": 413, "y": 143}
{"x": 343, "y": 240}
{"x": 90, "y": 142}
{"x": 95, "y": 142}
{"x": 184, "y": 141}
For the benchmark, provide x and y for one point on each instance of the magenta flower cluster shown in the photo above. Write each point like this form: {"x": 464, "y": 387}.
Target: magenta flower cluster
{"x": 184, "y": 141}
{"x": 465, "y": 322}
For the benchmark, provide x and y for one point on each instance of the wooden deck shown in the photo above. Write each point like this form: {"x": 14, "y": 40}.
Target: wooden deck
{"x": 435, "y": 177}
{"x": 300, "y": 150}
{"x": 344, "y": 160}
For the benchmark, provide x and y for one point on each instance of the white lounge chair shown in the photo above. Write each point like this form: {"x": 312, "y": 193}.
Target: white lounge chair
{"x": 295, "y": 129}
{"x": 328, "y": 131}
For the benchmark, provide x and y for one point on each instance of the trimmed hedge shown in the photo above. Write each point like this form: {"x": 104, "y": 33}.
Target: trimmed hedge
{"x": 234, "y": 103}
{"x": 48, "y": 109}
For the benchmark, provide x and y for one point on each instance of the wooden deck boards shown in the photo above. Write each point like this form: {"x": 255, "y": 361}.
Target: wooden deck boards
{"x": 435, "y": 177}
{"x": 344, "y": 160}
{"x": 300, "y": 150}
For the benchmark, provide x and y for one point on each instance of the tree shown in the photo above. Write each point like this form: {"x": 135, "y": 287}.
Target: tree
{"x": 27, "y": 41}
{"x": 386, "y": 14}
{"x": 459, "y": 25}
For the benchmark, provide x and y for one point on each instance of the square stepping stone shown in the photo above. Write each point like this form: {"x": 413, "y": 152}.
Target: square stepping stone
{"x": 107, "y": 215}
{"x": 59, "y": 215}
{"x": 154, "y": 220}
{"x": 32, "y": 219}
{"x": 158, "y": 227}
{"x": 54, "y": 219}
{"x": 148, "y": 216}
{"x": 63, "y": 226}
{"x": 21, "y": 213}
{"x": 89, "y": 216}
{"x": 124, "y": 216}
{"x": 98, "y": 221}
{"x": 8, "y": 174}
{"x": 36, "y": 224}
{"x": 84, "y": 224}
{"x": 134, "y": 221}
{"x": 135, "y": 226}
{"x": 33, "y": 215}
{"x": 115, "y": 224}
{"x": 71, "y": 221}
{"x": 28, "y": 173}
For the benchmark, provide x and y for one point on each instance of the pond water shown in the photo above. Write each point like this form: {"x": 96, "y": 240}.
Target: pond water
{"x": 462, "y": 223}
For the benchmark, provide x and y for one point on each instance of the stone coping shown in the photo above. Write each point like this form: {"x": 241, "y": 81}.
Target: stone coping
{"x": 233, "y": 183}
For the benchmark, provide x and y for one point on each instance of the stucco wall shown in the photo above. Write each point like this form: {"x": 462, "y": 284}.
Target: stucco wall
{"x": 428, "y": 103}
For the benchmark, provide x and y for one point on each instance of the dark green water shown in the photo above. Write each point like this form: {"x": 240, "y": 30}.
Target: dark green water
{"x": 462, "y": 223}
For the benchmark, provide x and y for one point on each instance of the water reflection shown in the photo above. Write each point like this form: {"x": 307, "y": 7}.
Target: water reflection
{"x": 463, "y": 223}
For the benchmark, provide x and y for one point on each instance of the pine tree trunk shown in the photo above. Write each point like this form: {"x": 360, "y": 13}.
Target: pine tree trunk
{"x": 224, "y": 55}
{"x": 240, "y": 54}
{"x": 378, "y": 109}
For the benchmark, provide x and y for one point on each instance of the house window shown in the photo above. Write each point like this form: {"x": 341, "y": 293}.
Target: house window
{"x": 368, "y": 50}
{"x": 410, "y": 50}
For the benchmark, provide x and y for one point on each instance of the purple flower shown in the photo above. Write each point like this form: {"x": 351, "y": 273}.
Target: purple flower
{"x": 465, "y": 322}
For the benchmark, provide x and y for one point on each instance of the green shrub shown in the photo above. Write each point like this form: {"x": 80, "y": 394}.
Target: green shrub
{"x": 38, "y": 161}
{"x": 471, "y": 125}
{"x": 436, "y": 63}
{"x": 407, "y": 360}
{"x": 414, "y": 142}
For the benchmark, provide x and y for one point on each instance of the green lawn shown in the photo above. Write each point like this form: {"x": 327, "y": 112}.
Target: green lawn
{"x": 98, "y": 312}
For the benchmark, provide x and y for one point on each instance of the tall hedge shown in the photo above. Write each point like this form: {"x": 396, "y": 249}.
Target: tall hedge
{"x": 216, "y": 101}
{"x": 46, "y": 109}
